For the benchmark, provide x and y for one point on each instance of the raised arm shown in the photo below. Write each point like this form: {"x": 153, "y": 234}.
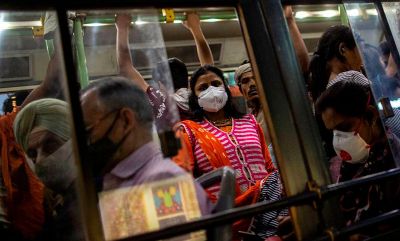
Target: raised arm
{"x": 204, "y": 53}
{"x": 51, "y": 86}
{"x": 298, "y": 42}
{"x": 124, "y": 59}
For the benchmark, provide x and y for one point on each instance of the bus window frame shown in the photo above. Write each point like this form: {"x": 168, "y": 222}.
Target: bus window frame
{"x": 258, "y": 18}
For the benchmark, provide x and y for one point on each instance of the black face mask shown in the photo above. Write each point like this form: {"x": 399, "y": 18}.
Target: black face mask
{"x": 101, "y": 152}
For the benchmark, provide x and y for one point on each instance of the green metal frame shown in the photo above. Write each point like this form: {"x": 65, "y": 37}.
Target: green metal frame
{"x": 50, "y": 47}
{"x": 79, "y": 46}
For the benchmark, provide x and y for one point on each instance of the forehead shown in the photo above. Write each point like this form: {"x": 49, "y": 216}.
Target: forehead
{"x": 331, "y": 118}
{"x": 247, "y": 75}
{"x": 40, "y": 136}
{"x": 207, "y": 77}
{"x": 90, "y": 106}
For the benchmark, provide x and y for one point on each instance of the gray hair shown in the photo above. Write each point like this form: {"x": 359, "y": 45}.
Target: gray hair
{"x": 118, "y": 92}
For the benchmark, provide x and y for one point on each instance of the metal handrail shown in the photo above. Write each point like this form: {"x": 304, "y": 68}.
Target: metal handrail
{"x": 386, "y": 217}
{"x": 223, "y": 217}
{"x": 250, "y": 210}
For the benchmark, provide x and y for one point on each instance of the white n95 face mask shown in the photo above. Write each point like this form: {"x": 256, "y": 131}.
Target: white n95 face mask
{"x": 350, "y": 147}
{"x": 213, "y": 98}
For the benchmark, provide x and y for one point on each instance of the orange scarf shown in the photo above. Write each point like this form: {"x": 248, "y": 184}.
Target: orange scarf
{"x": 217, "y": 156}
{"x": 24, "y": 190}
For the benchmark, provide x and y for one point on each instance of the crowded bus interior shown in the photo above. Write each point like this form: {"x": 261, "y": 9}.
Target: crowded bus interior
{"x": 199, "y": 120}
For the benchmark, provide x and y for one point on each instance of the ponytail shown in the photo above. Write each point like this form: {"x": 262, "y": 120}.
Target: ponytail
{"x": 319, "y": 76}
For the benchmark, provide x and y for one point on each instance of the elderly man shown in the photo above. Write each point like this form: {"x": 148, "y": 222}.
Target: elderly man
{"x": 119, "y": 119}
{"x": 21, "y": 192}
{"x": 42, "y": 129}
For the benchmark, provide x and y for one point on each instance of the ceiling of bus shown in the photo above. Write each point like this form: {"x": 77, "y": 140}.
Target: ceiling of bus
{"x": 224, "y": 35}
{"x": 171, "y": 32}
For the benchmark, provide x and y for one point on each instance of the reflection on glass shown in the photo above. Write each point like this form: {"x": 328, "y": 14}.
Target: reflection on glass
{"x": 119, "y": 113}
{"x": 37, "y": 188}
{"x": 139, "y": 190}
{"x": 378, "y": 63}
{"x": 392, "y": 12}
{"x": 150, "y": 206}
{"x": 349, "y": 108}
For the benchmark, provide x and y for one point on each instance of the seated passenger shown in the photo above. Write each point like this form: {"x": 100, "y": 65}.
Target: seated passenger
{"x": 118, "y": 120}
{"x": 359, "y": 139}
{"x": 42, "y": 129}
{"x": 221, "y": 136}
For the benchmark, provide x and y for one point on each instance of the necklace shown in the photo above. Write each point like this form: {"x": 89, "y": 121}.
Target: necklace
{"x": 222, "y": 123}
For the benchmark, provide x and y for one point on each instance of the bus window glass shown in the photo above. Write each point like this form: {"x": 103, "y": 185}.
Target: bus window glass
{"x": 156, "y": 77}
{"x": 392, "y": 12}
{"x": 38, "y": 195}
{"x": 377, "y": 62}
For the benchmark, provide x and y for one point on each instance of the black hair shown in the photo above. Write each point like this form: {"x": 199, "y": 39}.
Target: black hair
{"x": 18, "y": 97}
{"x": 384, "y": 48}
{"x": 372, "y": 61}
{"x": 178, "y": 70}
{"x": 347, "y": 98}
{"x": 246, "y": 61}
{"x": 327, "y": 49}
{"x": 229, "y": 108}
{"x": 119, "y": 92}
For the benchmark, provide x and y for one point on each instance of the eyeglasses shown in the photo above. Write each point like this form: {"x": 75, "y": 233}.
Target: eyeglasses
{"x": 90, "y": 128}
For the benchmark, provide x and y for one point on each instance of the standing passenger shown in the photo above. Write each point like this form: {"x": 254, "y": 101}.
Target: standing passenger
{"x": 43, "y": 130}
{"x": 221, "y": 136}
{"x": 159, "y": 98}
{"x": 360, "y": 141}
{"x": 21, "y": 192}
{"x": 245, "y": 79}
{"x": 118, "y": 120}
{"x": 336, "y": 53}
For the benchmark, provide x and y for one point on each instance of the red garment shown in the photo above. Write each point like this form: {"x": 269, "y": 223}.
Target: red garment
{"x": 24, "y": 190}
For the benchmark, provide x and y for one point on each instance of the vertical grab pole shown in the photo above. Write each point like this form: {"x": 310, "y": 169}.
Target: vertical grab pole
{"x": 343, "y": 15}
{"x": 87, "y": 193}
{"x": 49, "y": 47}
{"x": 297, "y": 144}
{"x": 83, "y": 75}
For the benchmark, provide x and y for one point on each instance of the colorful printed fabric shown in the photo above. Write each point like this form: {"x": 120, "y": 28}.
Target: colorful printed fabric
{"x": 375, "y": 199}
{"x": 165, "y": 113}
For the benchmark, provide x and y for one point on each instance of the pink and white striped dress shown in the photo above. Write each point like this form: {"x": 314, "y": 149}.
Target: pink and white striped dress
{"x": 246, "y": 152}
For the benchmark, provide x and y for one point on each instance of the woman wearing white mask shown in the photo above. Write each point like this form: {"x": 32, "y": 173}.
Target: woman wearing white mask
{"x": 360, "y": 140}
{"x": 221, "y": 136}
